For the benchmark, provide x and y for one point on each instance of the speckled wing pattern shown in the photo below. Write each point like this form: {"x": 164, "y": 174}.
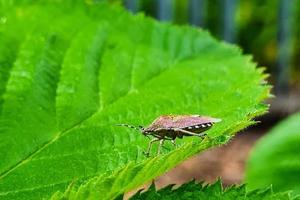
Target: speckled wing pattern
{"x": 180, "y": 121}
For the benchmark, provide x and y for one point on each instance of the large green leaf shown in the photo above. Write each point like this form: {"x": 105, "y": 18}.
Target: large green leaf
{"x": 275, "y": 159}
{"x": 215, "y": 191}
{"x": 80, "y": 69}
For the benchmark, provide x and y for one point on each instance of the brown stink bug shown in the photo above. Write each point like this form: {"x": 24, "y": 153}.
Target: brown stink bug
{"x": 170, "y": 127}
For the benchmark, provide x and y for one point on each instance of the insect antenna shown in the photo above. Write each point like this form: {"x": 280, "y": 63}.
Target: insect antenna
{"x": 139, "y": 128}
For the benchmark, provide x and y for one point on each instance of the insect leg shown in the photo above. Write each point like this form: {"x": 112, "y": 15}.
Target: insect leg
{"x": 189, "y": 133}
{"x": 150, "y": 145}
{"x": 161, "y": 142}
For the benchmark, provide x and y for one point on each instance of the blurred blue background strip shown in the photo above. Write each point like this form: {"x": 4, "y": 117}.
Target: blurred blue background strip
{"x": 132, "y": 5}
{"x": 197, "y": 12}
{"x": 285, "y": 18}
{"x": 165, "y": 10}
{"x": 229, "y": 29}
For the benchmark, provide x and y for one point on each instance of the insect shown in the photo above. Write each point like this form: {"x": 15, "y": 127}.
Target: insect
{"x": 170, "y": 127}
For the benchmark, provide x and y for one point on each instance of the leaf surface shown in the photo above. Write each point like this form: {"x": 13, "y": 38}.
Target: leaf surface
{"x": 194, "y": 191}
{"x": 69, "y": 83}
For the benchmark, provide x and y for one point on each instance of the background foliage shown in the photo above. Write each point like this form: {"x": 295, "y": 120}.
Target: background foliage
{"x": 275, "y": 159}
{"x": 70, "y": 71}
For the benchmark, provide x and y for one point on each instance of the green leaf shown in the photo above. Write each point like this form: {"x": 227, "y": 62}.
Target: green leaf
{"x": 72, "y": 79}
{"x": 275, "y": 158}
{"x": 7, "y": 57}
{"x": 215, "y": 191}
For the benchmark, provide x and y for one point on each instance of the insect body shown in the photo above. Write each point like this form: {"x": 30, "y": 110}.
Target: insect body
{"x": 170, "y": 127}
